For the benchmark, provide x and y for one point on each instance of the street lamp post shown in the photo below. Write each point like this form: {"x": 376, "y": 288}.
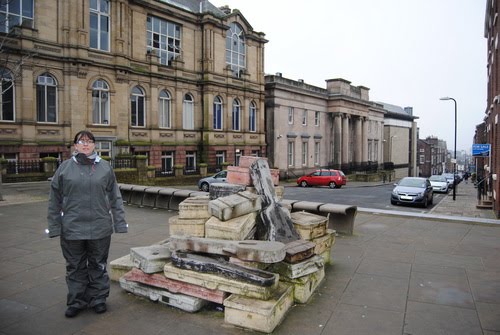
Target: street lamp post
{"x": 455, "y": 149}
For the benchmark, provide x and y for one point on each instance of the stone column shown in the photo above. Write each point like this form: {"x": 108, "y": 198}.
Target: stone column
{"x": 358, "y": 138}
{"x": 345, "y": 139}
{"x": 365, "y": 140}
{"x": 337, "y": 140}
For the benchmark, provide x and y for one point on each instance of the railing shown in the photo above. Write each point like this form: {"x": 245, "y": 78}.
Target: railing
{"x": 123, "y": 163}
{"x": 214, "y": 169}
{"x": 164, "y": 173}
{"x": 16, "y": 167}
{"x": 482, "y": 189}
{"x": 191, "y": 170}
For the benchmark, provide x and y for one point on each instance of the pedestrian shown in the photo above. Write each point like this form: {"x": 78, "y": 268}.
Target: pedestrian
{"x": 466, "y": 177}
{"x": 85, "y": 207}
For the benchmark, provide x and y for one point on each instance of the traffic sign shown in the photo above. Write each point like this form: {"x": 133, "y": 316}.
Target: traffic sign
{"x": 481, "y": 150}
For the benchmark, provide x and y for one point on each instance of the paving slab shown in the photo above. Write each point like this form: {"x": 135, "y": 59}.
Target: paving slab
{"x": 431, "y": 319}
{"x": 362, "y": 280}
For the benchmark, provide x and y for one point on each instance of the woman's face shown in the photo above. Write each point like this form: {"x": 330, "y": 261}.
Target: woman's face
{"x": 85, "y": 145}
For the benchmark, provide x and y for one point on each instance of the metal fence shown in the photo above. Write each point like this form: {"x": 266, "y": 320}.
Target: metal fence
{"x": 17, "y": 167}
{"x": 191, "y": 170}
{"x": 123, "y": 163}
{"x": 164, "y": 173}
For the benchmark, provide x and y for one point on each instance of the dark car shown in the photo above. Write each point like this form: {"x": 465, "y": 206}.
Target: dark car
{"x": 414, "y": 191}
{"x": 219, "y": 177}
{"x": 324, "y": 177}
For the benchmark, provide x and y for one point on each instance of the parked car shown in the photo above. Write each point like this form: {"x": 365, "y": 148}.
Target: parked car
{"x": 449, "y": 177}
{"x": 219, "y": 177}
{"x": 439, "y": 183}
{"x": 413, "y": 190}
{"x": 323, "y": 177}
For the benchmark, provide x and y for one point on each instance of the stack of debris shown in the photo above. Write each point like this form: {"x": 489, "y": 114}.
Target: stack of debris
{"x": 237, "y": 247}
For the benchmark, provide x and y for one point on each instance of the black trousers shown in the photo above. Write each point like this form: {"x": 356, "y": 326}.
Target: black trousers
{"x": 86, "y": 275}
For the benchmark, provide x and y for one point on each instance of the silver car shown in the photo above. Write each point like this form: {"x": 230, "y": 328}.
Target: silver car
{"x": 412, "y": 190}
{"x": 439, "y": 183}
{"x": 219, "y": 177}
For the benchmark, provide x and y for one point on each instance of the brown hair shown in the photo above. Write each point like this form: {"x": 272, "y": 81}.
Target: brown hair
{"x": 84, "y": 133}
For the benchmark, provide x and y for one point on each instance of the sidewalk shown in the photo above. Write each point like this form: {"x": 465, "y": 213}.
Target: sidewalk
{"x": 396, "y": 275}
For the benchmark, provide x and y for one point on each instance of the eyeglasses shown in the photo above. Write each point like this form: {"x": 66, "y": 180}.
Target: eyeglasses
{"x": 85, "y": 142}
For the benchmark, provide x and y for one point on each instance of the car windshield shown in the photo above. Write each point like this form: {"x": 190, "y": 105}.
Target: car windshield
{"x": 411, "y": 182}
{"x": 221, "y": 174}
{"x": 437, "y": 178}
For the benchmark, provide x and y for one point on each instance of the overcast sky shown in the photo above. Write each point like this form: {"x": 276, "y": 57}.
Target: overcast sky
{"x": 409, "y": 53}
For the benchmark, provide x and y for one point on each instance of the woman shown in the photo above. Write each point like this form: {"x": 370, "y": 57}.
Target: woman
{"x": 85, "y": 206}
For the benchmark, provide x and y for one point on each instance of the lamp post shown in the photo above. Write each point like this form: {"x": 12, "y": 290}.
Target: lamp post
{"x": 455, "y": 149}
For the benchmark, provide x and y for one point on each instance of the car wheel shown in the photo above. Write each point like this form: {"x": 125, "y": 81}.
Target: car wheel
{"x": 205, "y": 187}
{"x": 303, "y": 183}
{"x": 332, "y": 185}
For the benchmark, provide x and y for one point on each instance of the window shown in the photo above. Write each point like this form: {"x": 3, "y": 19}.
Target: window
{"x": 237, "y": 156}
{"x": 235, "y": 49}
{"x": 290, "y": 115}
{"x": 188, "y": 112}
{"x": 190, "y": 161}
{"x": 304, "y": 118}
{"x": 252, "y": 117}
{"x": 46, "y": 98}
{"x": 220, "y": 157}
{"x": 236, "y": 114}
{"x": 100, "y": 102}
{"x": 422, "y": 159}
{"x": 255, "y": 153}
{"x": 290, "y": 153}
{"x": 15, "y": 13}
{"x": 99, "y": 24}
{"x": 164, "y": 38}
{"x": 316, "y": 119}
{"x": 164, "y": 110}
{"x": 375, "y": 151}
{"x": 7, "y": 95}
{"x": 304, "y": 153}
{"x": 103, "y": 148}
{"x": 167, "y": 162}
{"x": 217, "y": 113}
{"x": 137, "y": 109}
{"x": 316, "y": 153}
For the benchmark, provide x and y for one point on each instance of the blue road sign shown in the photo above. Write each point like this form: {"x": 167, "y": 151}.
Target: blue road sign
{"x": 481, "y": 150}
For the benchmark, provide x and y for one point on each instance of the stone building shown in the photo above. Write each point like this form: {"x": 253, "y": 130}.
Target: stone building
{"x": 400, "y": 140}
{"x": 491, "y": 166}
{"x": 338, "y": 127}
{"x": 179, "y": 81}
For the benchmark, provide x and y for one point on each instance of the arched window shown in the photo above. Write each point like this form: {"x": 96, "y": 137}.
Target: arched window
{"x": 235, "y": 49}
{"x": 236, "y": 114}
{"x": 137, "y": 108}
{"x": 218, "y": 114}
{"x": 46, "y": 98}
{"x": 188, "y": 112}
{"x": 99, "y": 24}
{"x": 164, "y": 110}
{"x": 100, "y": 102}
{"x": 252, "y": 117}
{"x": 7, "y": 95}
